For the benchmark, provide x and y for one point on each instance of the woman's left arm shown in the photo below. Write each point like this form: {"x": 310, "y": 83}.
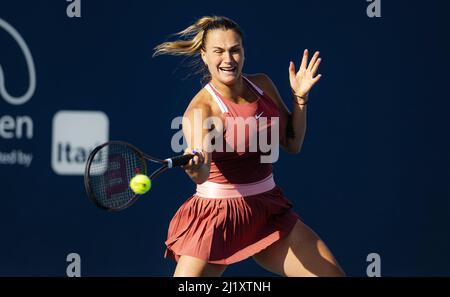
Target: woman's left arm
{"x": 301, "y": 84}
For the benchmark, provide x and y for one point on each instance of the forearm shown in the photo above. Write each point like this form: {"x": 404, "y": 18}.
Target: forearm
{"x": 301, "y": 83}
{"x": 298, "y": 122}
{"x": 199, "y": 175}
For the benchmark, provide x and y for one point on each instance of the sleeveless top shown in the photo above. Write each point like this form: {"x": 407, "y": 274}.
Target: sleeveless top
{"x": 239, "y": 160}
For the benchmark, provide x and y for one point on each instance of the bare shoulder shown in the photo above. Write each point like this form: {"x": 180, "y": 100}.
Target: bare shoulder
{"x": 264, "y": 82}
{"x": 260, "y": 79}
{"x": 203, "y": 101}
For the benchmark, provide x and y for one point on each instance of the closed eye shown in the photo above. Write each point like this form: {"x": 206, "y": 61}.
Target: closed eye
{"x": 233, "y": 49}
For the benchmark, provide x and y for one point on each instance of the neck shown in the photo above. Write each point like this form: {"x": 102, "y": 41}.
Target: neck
{"x": 234, "y": 91}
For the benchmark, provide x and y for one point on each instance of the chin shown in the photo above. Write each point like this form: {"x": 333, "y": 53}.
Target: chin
{"x": 231, "y": 80}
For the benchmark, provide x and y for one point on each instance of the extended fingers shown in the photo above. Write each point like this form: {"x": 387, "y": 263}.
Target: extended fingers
{"x": 316, "y": 79}
{"x": 313, "y": 60}
{"x": 315, "y": 67}
{"x": 304, "y": 60}
{"x": 291, "y": 70}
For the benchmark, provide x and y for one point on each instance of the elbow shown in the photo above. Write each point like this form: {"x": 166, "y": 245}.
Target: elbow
{"x": 200, "y": 177}
{"x": 199, "y": 180}
{"x": 292, "y": 148}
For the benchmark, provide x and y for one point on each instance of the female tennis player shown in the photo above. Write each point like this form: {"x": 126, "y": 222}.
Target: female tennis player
{"x": 238, "y": 211}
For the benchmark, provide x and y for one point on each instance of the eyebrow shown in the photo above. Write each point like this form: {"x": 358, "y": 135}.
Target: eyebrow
{"x": 218, "y": 47}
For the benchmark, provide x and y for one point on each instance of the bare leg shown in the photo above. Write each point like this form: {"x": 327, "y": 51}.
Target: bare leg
{"x": 188, "y": 266}
{"x": 301, "y": 253}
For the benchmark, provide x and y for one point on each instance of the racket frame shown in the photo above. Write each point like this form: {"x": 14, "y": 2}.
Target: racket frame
{"x": 166, "y": 164}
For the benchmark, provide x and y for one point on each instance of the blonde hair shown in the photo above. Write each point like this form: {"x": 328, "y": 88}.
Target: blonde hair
{"x": 194, "y": 36}
{"x": 192, "y": 41}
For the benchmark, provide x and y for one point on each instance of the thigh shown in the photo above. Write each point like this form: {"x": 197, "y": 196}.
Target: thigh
{"x": 188, "y": 266}
{"x": 301, "y": 253}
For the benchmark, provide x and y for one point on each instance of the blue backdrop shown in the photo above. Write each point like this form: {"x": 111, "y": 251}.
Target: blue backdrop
{"x": 373, "y": 175}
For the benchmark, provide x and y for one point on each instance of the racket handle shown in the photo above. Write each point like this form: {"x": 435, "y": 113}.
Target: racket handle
{"x": 178, "y": 160}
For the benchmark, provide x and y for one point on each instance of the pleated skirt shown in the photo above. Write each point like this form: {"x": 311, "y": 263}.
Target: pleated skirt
{"x": 229, "y": 230}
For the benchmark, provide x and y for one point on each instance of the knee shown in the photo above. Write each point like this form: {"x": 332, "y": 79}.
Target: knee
{"x": 339, "y": 271}
{"x": 336, "y": 272}
{"x": 193, "y": 267}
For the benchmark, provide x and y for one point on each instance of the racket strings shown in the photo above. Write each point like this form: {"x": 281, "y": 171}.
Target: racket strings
{"x": 111, "y": 170}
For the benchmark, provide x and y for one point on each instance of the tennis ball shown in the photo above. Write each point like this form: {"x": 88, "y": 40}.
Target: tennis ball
{"x": 140, "y": 184}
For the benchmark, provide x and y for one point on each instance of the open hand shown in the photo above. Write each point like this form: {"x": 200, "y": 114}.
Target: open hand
{"x": 305, "y": 78}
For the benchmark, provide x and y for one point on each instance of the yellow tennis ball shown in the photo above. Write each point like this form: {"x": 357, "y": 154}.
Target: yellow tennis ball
{"x": 140, "y": 184}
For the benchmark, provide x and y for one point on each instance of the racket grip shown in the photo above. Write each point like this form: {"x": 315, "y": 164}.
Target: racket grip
{"x": 178, "y": 160}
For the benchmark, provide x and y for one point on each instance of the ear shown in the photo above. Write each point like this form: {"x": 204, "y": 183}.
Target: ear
{"x": 203, "y": 55}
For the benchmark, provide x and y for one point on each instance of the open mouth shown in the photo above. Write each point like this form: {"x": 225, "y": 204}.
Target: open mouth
{"x": 228, "y": 70}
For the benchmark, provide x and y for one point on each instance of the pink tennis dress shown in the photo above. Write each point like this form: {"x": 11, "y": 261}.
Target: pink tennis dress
{"x": 239, "y": 210}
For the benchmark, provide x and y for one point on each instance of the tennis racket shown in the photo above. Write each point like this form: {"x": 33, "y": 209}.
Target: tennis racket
{"x": 111, "y": 166}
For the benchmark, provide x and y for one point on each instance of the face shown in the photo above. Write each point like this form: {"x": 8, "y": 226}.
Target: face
{"x": 224, "y": 55}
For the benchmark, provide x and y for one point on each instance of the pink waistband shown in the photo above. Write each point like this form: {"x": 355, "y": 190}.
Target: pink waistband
{"x": 215, "y": 190}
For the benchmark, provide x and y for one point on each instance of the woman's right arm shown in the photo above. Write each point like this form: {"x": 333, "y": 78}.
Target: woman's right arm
{"x": 194, "y": 117}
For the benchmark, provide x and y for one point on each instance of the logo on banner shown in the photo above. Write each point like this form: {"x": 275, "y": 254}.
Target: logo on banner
{"x": 75, "y": 135}
{"x": 30, "y": 65}
{"x": 13, "y": 127}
